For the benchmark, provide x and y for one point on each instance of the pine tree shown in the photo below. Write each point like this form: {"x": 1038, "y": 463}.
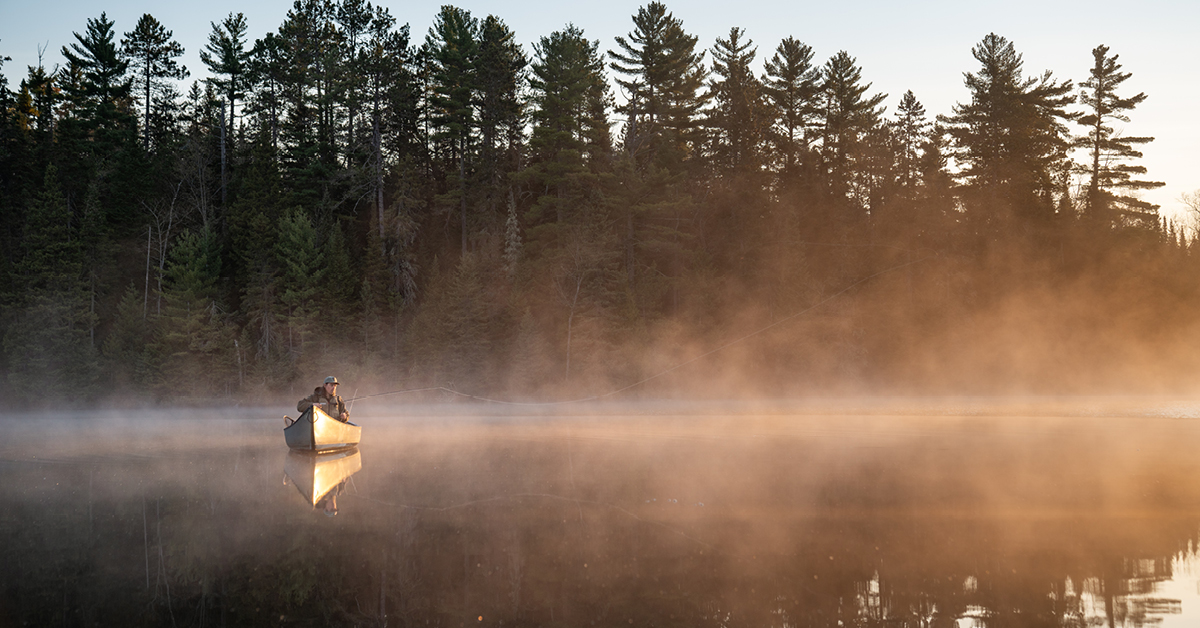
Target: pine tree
{"x": 662, "y": 140}
{"x": 96, "y": 139}
{"x": 354, "y": 18}
{"x": 1011, "y": 139}
{"x": 304, "y": 36}
{"x": 228, "y": 59}
{"x": 453, "y": 47}
{"x": 663, "y": 88}
{"x": 1109, "y": 151}
{"x": 252, "y": 219}
{"x": 570, "y": 142}
{"x": 909, "y": 129}
{"x": 152, "y": 52}
{"x": 499, "y": 77}
{"x": 102, "y": 68}
{"x": 792, "y": 85}
{"x": 390, "y": 91}
{"x": 267, "y": 72}
{"x": 848, "y": 117}
{"x": 739, "y": 119}
{"x": 936, "y": 206}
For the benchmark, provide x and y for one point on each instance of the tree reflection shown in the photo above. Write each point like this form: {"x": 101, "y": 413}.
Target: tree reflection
{"x": 446, "y": 528}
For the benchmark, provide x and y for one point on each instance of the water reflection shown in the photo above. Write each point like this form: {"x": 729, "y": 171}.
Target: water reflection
{"x": 832, "y": 520}
{"x": 320, "y": 478}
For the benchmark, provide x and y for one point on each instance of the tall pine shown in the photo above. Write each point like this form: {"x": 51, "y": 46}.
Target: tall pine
{"x": 1109, "y": 171}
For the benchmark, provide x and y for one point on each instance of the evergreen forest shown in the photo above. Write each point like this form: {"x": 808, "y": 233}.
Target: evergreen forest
{"x": 646, "y": 215}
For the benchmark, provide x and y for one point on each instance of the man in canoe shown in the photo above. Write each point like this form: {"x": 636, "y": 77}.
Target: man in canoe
{"x": 326, "y": 396}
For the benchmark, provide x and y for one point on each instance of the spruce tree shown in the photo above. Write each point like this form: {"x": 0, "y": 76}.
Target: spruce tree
{"x": 1109, "y": 152}
{"x": 126, "y": 349}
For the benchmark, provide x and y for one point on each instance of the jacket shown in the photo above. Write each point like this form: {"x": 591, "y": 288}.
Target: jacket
{"x": 333, "y": 406}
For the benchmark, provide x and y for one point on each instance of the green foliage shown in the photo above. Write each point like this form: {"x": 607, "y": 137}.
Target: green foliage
{"x": 663, "y": 88}
{"x": 340, "y": 279}
{"x": 300, "y": 282}
{"x": 47, "y": 344}
{"x": 441, "y": 209}
{"x": 739, "y": 119}
{"x": 457, "y": 327}
{"x": 570, "y": 100}
{"x": 152, "y": 52}
{"x": 848, "y": 119}
{"x": 227, "y": 58}
{"x": 499, "y": 76}
{"x": 453, "y": 45}
{"x": 194, "y": 339}
{"x": 127, "y": 351}
{"x": 570, "y": 143}
{"x": 791, "y": 85}
{"x": 96, "y": 56}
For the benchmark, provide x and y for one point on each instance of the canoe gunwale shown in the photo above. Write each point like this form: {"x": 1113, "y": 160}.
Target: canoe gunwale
{"x": 317, "y": 432}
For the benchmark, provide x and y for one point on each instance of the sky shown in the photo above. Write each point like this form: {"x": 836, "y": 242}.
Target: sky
{"x": 922, "y": 45}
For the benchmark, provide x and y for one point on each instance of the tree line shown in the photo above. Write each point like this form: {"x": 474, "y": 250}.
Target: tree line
{"x": 456, "y": 209}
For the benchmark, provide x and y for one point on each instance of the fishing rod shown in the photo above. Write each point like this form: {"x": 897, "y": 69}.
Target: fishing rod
{"x": 665, "y": 371}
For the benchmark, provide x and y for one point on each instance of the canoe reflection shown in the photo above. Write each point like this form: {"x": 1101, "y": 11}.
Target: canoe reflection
{"x": 320, "y": 478}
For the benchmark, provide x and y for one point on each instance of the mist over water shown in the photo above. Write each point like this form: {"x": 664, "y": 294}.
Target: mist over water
{"x": 968, "y": 512}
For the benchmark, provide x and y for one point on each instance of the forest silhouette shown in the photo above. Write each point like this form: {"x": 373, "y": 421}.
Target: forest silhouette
{"x": 452, "y": 209}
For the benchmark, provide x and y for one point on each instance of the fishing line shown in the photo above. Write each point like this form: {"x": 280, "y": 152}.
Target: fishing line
{"x": 665, "y": 371}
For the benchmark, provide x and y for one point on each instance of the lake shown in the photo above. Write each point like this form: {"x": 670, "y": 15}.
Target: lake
{"x": 914, "y": 513}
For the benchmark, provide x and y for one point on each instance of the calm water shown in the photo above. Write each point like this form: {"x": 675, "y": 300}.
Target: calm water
{"x": 975, "y": 514}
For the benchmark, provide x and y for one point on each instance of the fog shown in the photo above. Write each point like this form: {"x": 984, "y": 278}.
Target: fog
{"x": 911, "y": 512}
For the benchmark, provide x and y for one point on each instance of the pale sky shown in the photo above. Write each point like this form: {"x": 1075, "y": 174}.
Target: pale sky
{"x": 922, "y": 45}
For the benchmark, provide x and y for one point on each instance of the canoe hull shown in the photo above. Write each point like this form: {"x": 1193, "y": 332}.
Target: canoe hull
{"x": 315, "y": 475}
{"x": 317, "y": 431}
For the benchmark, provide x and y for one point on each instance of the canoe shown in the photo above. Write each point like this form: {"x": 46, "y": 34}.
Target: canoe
{"x": 315, "y": 475}
{"x": 319, "y": 432}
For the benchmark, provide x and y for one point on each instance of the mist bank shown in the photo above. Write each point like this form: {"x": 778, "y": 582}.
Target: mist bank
{"x": 341, "y": 197}
{"x": 675, "y": 520}
{"x": 940, "y": 326}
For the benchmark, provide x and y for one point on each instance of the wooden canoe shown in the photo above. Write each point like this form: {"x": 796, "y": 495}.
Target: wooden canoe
{"x": 319, "y": 432}
{"x": 315, "y": 475}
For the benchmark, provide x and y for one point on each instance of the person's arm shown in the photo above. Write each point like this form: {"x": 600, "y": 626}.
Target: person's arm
{"x": 305, "y": 403}
{"x": 343, "y": 414}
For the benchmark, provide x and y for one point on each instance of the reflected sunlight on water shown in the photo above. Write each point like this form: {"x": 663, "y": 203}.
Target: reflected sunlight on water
{"x": 966, "y": 513}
